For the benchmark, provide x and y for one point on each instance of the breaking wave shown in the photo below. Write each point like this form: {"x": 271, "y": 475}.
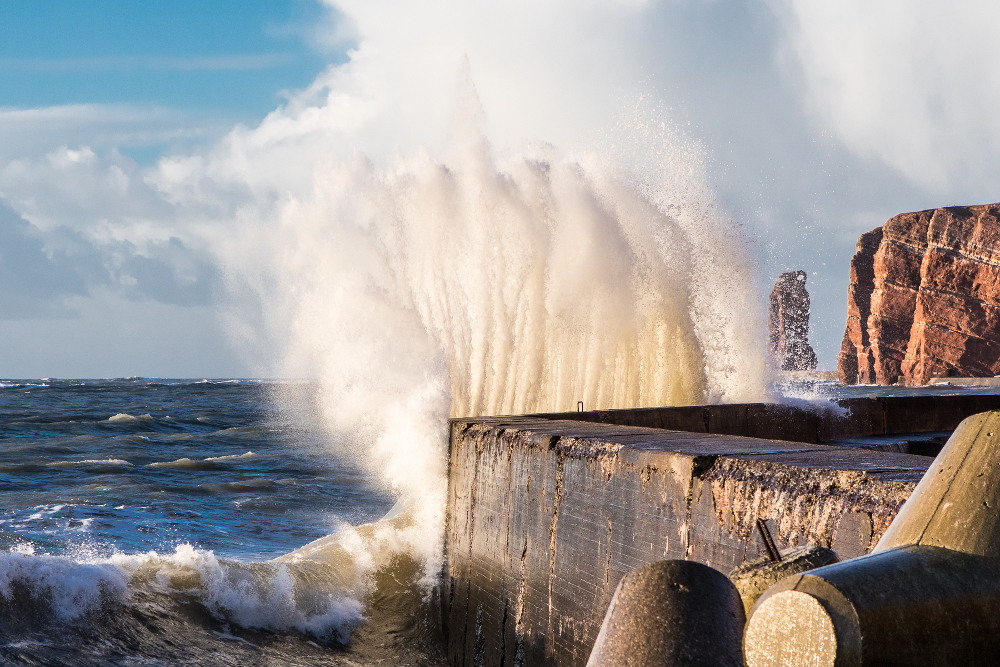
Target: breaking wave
{"x": 433, "y": 288}
{"x": 322, "y": 590}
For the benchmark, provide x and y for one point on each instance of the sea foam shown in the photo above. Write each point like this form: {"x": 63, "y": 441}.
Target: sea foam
{"x": 275, "y": 596}
{"x": 470, "y": 285}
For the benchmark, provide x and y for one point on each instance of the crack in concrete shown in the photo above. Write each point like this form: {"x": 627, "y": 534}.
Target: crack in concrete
{"x": 557, "y": 497}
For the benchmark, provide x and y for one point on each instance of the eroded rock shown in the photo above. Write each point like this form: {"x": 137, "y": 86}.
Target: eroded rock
{"x": 924, "y": 299}
{"x": 788, "y": 322}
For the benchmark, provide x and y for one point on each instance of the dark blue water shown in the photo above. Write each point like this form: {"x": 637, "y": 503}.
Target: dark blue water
{"x": 139, "y": 519}
{"x": 134, "y": 465}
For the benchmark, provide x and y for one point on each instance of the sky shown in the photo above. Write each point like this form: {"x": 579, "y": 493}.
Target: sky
{"x": 139, "y": 142}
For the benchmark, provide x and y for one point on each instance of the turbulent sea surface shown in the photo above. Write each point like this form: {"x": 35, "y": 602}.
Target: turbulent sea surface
{"x": 149, "y": 522}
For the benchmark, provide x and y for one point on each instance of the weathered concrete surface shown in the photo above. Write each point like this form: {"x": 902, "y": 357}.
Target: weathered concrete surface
{"x": 928, "y": 593}
{"x": 851, "y": 418}
{"x": 672, "y": 613}
{"x": 546, "y": 516}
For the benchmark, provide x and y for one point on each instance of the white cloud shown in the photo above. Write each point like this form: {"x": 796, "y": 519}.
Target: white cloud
{"x": 915, "y": 83}
{"x": 815, "y": 121}
{"x": 29, "y": 133}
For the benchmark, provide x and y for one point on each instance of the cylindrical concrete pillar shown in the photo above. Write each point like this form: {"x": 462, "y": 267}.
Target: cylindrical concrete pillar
{"x": 907, "y": 606}
{"x": 926, "y": 595}
{"x": 754, "y": 579}
{"x": 672, "y": 613}
{"x": 956, "y": 505}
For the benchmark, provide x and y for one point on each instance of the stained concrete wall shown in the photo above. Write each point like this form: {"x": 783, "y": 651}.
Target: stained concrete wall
{"x": 846, "y": 418}
{"x": 546, "y": 515}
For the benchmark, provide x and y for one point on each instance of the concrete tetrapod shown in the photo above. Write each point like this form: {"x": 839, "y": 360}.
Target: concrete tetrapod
{"x": 928, "y": 594}
{"x": 753, "y": 579}
{"x": 672, "y": 613}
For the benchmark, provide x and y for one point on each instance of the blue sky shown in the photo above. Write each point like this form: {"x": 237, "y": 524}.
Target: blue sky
{"x": 133, "y": 80}
{"x": 140, "y": 142}
{"x": 222, "y": 62}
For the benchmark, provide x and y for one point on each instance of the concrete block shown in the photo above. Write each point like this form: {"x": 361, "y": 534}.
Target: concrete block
{"x": 853, "y": 535}
{"x": 546, "y": 516}
{"x": 672, "y": 613}
{"x": 912, "y": 414}
{"x": 864, "y": 417}
{"x": 727, "y": 419}
{"x": 781, "y": 422}
{"x": 957, "y": 503}
{"x": 752, "y": 579}
{"x": 917, "y": 605}
{"x": 926, "y": 595}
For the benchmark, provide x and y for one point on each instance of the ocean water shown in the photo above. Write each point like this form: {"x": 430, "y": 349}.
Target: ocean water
{"x": 820, "y": 391}
{"x": 148, "y": 522}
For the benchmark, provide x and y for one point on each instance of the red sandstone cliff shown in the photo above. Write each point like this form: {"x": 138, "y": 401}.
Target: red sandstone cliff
{"x": 788, "y": 321}
{"x": 924, "y": 298}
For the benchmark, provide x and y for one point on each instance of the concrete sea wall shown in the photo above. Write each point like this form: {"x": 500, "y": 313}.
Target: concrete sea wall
{"x": 846, "y": 418}
{"x": 545, "y": 515}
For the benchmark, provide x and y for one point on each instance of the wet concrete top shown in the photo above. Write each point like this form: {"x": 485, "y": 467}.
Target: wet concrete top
{"x": 848, "y": 434}
{"x": 576, "y": 438}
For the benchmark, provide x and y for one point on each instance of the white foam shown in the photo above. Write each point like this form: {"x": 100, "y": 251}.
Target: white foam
{"x": 184, "y": 463}
{"x": 258, "y": 595}
{"x": 104, "y": 462}
{"x": 71, "y": 588}
{"x": 231, "y": 457}
{"x": 252, "y": 595}
{"x": 127, "y": 418}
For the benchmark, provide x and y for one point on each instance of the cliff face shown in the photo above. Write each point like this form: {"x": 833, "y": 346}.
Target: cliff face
{"x": 924, "y": 298}
{"x": 855, "y": 362}
{"x": 788, "y": 321}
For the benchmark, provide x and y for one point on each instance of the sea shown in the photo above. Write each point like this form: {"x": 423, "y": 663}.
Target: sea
{"x": 150, "y": 521}
{"x": 191, "y": 522}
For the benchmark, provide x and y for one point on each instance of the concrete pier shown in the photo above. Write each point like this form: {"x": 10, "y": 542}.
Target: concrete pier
{"x": 547, "y": 513}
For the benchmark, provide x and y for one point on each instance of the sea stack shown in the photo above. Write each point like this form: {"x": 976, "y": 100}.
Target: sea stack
{"x": 788, "y": 322}
{"x": 924, "y": 298}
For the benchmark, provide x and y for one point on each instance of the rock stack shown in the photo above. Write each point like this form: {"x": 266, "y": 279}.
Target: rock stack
{"x": 788, "y": 322}
{"x": 924, "y": 299}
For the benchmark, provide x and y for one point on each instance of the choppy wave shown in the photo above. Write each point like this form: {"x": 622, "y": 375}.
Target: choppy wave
{"x": 187, "y": 464}
{"x": 122, "y": 417}
{"x": 257, "y": 484}
{"x": 323, "y": 591}
{"x": 57, "y": 587}
{"x": 231, "y": 457}
{"x": 89, "y": 462}
{"x": 251, "y": 595}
